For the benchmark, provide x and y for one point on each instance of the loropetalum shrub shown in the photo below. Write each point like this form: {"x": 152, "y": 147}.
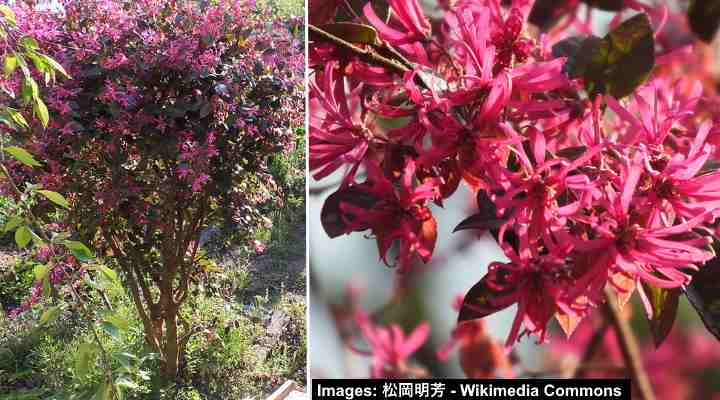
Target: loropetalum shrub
{"x": 591, "y": 157}
{"x": 165, "y": 129}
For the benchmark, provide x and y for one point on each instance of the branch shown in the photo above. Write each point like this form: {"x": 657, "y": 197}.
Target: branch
{"x": 367, "y": 52}
{"x": 629, "y": 346}
{"x": 592, "y": 348}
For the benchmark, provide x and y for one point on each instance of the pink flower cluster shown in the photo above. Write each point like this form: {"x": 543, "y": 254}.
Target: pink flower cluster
{"x": 581, "y": 192}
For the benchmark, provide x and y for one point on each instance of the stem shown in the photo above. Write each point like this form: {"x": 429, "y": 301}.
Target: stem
{"x": 629, "y": 346}
{"x": 590, "y": 350}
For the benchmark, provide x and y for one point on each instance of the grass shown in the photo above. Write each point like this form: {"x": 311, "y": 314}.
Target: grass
{"x": 287, "y": 7}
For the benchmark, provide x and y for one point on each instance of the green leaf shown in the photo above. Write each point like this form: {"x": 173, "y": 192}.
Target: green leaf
{"x": 55, "y": 197}
{"x": 58, "y": 237}
{"x": 41, "y": 272}
{"x": 120, "y": 322}
{"x": 50, "y": 315}
{"x": 704, "y": 18}
{"x": 109, "y": 274}
{"x": 621, "y": 61}
{"x": 17, "y": 118}
{"x": 36, "y": 238}
{"x": 13, "y": 223}
{"x": 124, "y": 382}
{"x": 41, "y": 111}
{"x": 8, "y": 13}
{"x": 29, "y": 43}
{"x": 38, "y": 62}
{"x": 56, "y": 66}
{"x": 110, "y": 329}
{"x": 23, "y": 65}
{"x": 22, "y": 156}
{"x": 114, "y": 325}
{"x": 46, "y": 288}
{"x": 23, "y": 236}
{"x": 79, "y": 250}
{"x": 664, "y": 303}
{"x": 127, "y": 360}
{"x": 85, "y": 358}
{"x": 351, "y": 32}
{"x": 29, "y": 89}
{"x": 11, "y": 63}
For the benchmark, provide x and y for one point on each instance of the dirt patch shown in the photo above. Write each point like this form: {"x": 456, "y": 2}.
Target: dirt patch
{"x": 278, "y": 270}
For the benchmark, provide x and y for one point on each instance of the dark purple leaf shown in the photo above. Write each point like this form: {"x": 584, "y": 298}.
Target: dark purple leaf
{"x": 331, "y": 215}
{"x": 482, "y": 300}
{"x": 485, "y": 219}
{"x": 615, "y": 64}
{"x": 704, "y": 295}
{"x": 546, "y": 13}
{"x": 479, "y": 221}
{"x": 704, "y": 18}
{"x": 607, "y": 5}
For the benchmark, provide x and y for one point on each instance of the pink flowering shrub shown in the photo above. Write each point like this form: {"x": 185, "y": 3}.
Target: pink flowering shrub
{"x": 592, "y": 158}
{"x": 165, "y": 128}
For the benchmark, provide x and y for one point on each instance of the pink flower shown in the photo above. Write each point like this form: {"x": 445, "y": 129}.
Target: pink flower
{"x": 258, "y": 246}
{"x": 655, "y": 254}
{"x": 389, "y": 347}
{"x": 395, "y": 214}
{"x": 199, "y": 182}
{"x": 337, "y": 138}
{"x": 531, "y": 195}
{"x": 413, "y": 26}
{"x": 540, "y": 284}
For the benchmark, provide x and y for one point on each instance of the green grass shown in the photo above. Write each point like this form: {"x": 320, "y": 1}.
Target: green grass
{"x": 287, "y": 7}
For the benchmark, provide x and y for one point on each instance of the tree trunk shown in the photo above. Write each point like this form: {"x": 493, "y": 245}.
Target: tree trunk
{"x": 172, "y": 347}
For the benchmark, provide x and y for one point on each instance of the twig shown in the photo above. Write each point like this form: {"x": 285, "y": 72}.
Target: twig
{"x": 367, "y": 52}
{"x": 628, "y": 346}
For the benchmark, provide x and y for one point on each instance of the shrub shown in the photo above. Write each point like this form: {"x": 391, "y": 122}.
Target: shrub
{"x": 165, "y": 128}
